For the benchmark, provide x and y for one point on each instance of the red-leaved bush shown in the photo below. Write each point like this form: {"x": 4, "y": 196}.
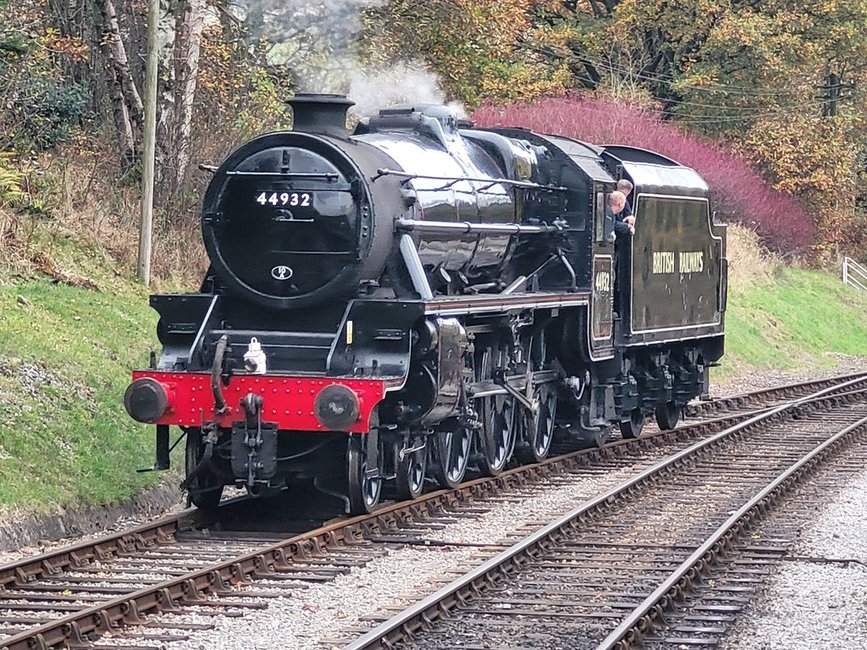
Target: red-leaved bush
{"x": 738, "y": 192}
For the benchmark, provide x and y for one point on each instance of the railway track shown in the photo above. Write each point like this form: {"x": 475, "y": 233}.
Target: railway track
{"x": 752, "y": 564}
{"x": 70, "y": 596}
{"x": 764, "y": 398}
{"x": 604, "y": 574}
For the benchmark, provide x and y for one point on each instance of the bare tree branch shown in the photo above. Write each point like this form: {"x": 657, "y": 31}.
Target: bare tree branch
{"x": 126, "y": 100}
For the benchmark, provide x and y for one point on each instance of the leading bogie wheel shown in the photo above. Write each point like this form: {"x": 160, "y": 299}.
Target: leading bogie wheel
{"x": 205, "y": 489}
{"x": 411, "y": 467}
{"x": 631, "y": 427}
{"x": 364, "y": 481}
{"x": 451, "y": 454}
{"x": 667, "y": 416}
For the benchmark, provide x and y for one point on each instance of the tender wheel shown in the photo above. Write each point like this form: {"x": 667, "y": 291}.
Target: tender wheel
{"x": 411, "y": 470}
{"x": 363, "y": 487}
{"x": 631, "y": 427}
{"x": 667, "y": 416}
{"x": 451, "y": 454}
{"x": 497, "y": 413}
{"x": 205, "y": 490}
{"x": 538, "y": 431}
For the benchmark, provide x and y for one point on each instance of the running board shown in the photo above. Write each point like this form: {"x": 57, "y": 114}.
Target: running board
{"x": 478, "y": 304}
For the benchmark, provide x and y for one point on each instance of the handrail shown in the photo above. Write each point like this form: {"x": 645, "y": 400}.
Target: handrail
{"x": 854, "y": 274}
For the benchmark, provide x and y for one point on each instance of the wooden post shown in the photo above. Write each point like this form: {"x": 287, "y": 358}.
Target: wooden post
{"x": 149, "y": 146}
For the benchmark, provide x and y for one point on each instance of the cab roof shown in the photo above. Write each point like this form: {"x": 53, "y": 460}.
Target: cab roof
{"x": 653, "y": 172}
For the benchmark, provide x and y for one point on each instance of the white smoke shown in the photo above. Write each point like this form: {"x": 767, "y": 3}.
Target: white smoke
{"x": 318, "y": 41}
{"x": 402, "y": 83}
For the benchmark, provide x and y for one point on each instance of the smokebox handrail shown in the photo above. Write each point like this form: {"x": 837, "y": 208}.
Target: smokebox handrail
{"x": 330, "y": 177}
{"x": 489, "y": 182}
{"x": 467, "y": 227}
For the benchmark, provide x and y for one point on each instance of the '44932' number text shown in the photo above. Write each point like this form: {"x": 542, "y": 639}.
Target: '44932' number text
{"x": 281, "y": 199}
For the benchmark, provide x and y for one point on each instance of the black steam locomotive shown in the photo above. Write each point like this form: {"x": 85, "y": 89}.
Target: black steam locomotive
{"x": 391, "y": 306}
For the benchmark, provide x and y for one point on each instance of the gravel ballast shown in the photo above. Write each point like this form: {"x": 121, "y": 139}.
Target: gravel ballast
{"x": 818, "y": 598}
{"x": 845, "y": 364}
{"x": 22, "y": 537}
{"x": 314, "y": 614}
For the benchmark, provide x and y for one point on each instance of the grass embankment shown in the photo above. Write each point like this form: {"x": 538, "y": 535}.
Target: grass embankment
{"x": 799, "y": 321}
{"x": 66, "y": 352}
{"x": 785, "y": 318}
{"x": 65, "y": 356}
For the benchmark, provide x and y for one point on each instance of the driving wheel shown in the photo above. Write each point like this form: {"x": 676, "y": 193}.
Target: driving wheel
{"x": 451, "y": 453}
{"x": 496, "y": 437}
{"x": 410, "y": 467}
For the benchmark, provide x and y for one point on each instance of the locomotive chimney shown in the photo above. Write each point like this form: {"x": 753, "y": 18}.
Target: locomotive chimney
{"x": 320, "y": 113}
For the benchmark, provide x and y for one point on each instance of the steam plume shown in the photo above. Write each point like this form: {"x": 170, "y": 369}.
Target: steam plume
{"x": 319, "y": 42}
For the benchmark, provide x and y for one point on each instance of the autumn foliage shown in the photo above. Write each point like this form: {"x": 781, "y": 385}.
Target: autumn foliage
{"x": 780, "y": 84}
{"x": 474, "y": 46}
{"x": 738, "y": 192}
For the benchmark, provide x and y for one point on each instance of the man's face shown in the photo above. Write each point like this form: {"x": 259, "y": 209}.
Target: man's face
{"x": 618, "y": 206}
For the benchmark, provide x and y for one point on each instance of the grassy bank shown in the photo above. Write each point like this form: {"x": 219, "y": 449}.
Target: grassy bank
{"x": 797, "y": 321}
{"x": 67, "y": 343}
{"x": 785, "y": 318}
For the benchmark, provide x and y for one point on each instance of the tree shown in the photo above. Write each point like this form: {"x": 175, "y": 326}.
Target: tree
{"x": 472, "y": 45}
{"x": 762, "y": 76}
{"x": 187, "y": 51}
{"x": 126, "y": 99}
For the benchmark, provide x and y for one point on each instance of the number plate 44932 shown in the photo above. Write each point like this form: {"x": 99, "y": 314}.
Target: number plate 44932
{"x": 284, "y": 199}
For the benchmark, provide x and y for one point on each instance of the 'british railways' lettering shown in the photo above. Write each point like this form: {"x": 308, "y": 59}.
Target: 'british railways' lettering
{"x": 683, "y": 262}
{"x": 692, "y": 262}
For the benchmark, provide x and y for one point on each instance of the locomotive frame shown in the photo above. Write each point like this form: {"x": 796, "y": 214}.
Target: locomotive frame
{"x": 391, "y": 307}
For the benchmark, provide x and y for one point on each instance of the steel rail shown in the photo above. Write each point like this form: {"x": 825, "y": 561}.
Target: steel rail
{"x": 73, "y": 556}
{"x": 440, "y": 603}
{"x": 128, "y": 608}
{"x": 628, "y": 633}
{"x": 788, "y": 390}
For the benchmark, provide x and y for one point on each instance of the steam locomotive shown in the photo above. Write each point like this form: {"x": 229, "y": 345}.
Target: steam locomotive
{"x": 390, "y": 307}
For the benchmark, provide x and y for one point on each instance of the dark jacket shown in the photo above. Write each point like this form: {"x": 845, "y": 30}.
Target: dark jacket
{"x": 620, "y": 226}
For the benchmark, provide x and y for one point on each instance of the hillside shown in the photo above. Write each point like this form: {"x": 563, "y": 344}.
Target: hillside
{"x": 785, "y": 318}
{"x": 67, "y": 345}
